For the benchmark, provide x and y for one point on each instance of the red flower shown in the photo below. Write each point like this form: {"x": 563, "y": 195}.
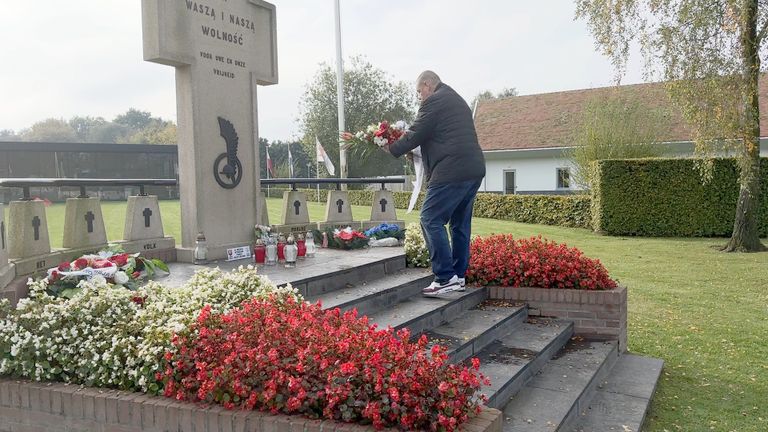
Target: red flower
{"x": 535, "y": 262}
{"x": 135, "y": 275}
{"x": 81, "y": 263}
{"x": 119, "y": 259}
{"x": 102, "y": 263}
{"x": 335, "y": 357}
{"x": 54, "y": 276}
{"x": 64, "y": 266}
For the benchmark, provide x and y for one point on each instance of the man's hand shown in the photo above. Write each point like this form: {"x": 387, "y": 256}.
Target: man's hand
{"x": 385, "y": 147}
{"x": 409, "y": 156}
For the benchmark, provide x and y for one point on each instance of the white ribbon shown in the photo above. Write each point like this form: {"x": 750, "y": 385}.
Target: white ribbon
{"x": 88, "y": 272}
{"x": 418, "y": 166}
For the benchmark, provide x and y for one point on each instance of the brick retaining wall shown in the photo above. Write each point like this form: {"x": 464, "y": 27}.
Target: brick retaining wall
{"x": 37, "y": 407}
{"x": 595, "y": 314}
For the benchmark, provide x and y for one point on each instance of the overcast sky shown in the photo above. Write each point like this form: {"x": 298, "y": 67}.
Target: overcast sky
{"x": 84, "y": 57}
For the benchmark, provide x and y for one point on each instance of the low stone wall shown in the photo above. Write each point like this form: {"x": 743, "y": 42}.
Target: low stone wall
{"x": 30, "y": 406}
{"x": 595, "y": 314}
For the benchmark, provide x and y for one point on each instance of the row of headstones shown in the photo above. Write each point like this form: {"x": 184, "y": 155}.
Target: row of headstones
{"x": 27, "y": 246}
{"x": 26, "y": 243}
{"x": 338, "y": 212}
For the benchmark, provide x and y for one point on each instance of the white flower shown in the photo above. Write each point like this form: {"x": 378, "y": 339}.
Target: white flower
{"x": 121, "y": 278}
{"x": 401, "y": 125}
{"x": 380, "y": 141}
{"x": 98, "y": 280}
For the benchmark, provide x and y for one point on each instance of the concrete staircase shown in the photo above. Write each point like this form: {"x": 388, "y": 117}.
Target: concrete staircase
{"x": 542, "y": 377}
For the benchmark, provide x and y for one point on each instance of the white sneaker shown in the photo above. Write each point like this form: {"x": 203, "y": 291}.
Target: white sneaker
{"x": 436, "y": 288}
{"x": 462, "y": 284}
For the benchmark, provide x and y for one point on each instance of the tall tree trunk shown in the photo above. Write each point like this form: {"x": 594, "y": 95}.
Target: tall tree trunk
{"x": 745, "y": 237}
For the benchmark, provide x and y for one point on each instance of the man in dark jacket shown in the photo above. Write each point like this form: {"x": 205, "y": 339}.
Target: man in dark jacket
{"x": 455, "y": 166}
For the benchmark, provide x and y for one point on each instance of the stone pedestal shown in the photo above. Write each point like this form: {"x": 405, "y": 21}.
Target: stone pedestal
{"x": 163, "y": 248}
{"x": 84, "y": 224}
{"x": 3, "y": 239}
{"x": 222, "y": 50}
{"x": 383, "y": 210}
{"x": 142, "y": 219}
{"x": 7, "y": 270}
{"x": 27, "y": 230}
{"x": 263, "y": 214}
{"x": 338, "y": 212}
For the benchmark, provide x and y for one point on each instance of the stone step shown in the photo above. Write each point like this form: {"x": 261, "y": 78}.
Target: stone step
{"x": 510, "y": 361}
{"x": 622, "y": 399}
{"x": 553, "y": 399}
{"x": 475, "y": 329}
{"x": 376, "y": 294}
{"x": 419, "y": 313}
{"x": 352, "y": 270}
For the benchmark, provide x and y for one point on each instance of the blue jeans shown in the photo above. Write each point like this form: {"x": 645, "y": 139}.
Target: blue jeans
{"x": 448, "y": 203}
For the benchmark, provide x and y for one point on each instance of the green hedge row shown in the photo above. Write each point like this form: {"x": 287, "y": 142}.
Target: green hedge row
{"x": 666, "y": 198}
{"x": 562, "y": 210}
{"x": 568, "y": 211}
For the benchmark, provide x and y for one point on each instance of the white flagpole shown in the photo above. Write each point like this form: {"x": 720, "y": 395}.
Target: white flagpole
{"x": 340, "y": 90}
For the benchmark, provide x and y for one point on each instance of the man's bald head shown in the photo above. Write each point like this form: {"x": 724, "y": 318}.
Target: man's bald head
{"x": 426, "y": 84}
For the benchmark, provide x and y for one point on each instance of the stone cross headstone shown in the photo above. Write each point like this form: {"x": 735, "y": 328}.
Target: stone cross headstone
{"x": 383, "y": 210}
{"x": 295, "y": 214}
{"x": 338, "y": 212}
{"x": 222, "y": 50}
{"x": 143, "y": 219}
{"x": 84, "y": 224}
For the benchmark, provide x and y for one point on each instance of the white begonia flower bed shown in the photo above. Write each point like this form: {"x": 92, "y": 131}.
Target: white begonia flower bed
{"x": 416, "y": 252}
{"x": 109, "y": 336}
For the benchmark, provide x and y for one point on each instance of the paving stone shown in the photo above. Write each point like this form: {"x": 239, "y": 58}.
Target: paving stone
{"x": 621, "y": 402}
{"x": 554, "y": 395}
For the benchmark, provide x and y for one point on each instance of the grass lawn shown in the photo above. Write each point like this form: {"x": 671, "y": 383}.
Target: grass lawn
{"x": 704, "y": 312}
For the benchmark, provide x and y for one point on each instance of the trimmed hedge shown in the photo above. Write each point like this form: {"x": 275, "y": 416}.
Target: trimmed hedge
{"x": 562, "y": 210}
{"x": 666, "y": 198}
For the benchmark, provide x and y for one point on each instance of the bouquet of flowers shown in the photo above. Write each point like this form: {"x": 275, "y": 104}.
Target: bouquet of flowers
{"x": 375, "y": 136}
{"x": 261, "y": 232}
{"x": 386, "y": 230}
{"x": 385, "y": 235}
{"x": 113, "y": 266}
{"x": 346, "y": 239}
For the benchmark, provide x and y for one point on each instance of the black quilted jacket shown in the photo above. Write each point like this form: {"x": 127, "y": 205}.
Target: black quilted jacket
{"x": 446, "y": 133}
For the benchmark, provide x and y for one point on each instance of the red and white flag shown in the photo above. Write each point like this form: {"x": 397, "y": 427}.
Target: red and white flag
{"x": 322, "y": 156}
{"x": 270, "y": 167}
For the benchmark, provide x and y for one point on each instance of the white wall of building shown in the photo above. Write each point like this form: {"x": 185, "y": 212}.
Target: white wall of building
{"x": 535, "y": 171}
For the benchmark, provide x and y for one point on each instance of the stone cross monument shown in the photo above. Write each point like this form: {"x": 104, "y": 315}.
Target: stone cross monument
{"x": 221, "y": 49}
